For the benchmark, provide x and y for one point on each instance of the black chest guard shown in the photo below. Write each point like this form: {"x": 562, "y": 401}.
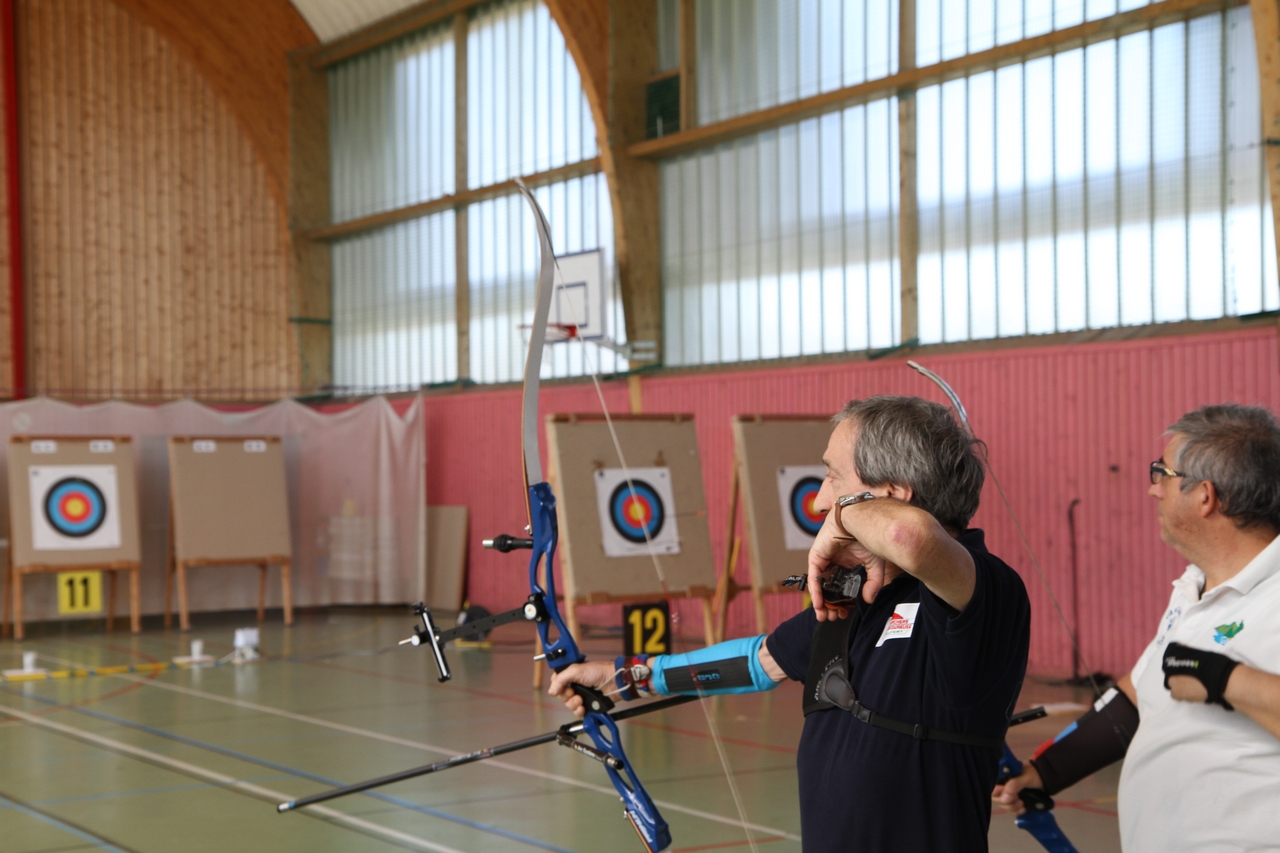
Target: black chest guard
{"x": 828, "y": 684}
{"x": 831, "y": 641}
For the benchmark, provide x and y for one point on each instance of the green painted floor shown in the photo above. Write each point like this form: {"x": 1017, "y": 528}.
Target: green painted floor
{"x": 195, "y": 759}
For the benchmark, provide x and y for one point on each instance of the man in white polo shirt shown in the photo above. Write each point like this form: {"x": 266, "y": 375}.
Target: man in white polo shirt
{"x": 1202, "y": 771}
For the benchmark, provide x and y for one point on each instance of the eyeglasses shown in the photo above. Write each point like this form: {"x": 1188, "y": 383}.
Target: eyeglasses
{"x": 1159, "y": 469}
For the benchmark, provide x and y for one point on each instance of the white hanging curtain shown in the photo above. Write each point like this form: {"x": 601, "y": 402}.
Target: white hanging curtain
{"x": 356, "y": 481}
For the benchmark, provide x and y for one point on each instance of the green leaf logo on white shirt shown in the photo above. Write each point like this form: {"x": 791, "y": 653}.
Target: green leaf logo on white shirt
{"x": 1226, "y": 632}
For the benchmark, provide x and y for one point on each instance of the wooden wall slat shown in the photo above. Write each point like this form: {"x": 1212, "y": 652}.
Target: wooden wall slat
{"x": 158, "y": 259}
{"x": 6, "y": 330}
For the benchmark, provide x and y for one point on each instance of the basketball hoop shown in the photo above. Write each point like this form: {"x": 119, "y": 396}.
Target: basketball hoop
{"x": 556, "y": 332}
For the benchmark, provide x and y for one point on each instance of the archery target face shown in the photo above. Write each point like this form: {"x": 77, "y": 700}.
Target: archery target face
{"x": 798, "y": 486}
{"x": 74, "y": 507}
{"x": 636, "y": 515}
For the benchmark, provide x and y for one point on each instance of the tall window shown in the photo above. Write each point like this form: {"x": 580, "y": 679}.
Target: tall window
{"x": 395, "y": 157}
{"x": 1118, "y": 183}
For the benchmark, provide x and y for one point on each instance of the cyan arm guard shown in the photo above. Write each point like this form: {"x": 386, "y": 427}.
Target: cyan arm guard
{"x": 729, "y": 667}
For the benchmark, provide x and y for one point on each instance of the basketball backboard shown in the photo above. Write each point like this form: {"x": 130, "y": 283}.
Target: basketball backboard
{"x": 578, "y": 300}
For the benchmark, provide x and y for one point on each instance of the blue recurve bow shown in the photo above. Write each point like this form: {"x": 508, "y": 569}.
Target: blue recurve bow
{"x": 559, "y": 649}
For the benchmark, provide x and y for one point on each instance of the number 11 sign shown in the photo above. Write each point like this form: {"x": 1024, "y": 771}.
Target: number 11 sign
{"x": 79, "y": 592}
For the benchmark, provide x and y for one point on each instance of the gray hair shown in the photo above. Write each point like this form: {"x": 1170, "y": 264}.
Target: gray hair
{"x": 1237, "y": 448}
{"x": 907, "y": 441}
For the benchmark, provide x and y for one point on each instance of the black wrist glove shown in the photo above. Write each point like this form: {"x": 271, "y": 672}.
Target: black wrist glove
{"x": 1209, "y": 668}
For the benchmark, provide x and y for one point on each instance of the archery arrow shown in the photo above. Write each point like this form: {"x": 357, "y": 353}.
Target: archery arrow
{"x": 566, "y": 732}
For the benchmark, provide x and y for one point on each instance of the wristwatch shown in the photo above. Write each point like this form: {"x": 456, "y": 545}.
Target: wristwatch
{"x": 850, "y": 500}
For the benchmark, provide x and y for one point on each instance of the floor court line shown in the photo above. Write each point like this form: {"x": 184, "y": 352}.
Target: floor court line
{"x": 295, "y": 772}
{"x": 189, "y": 769}
{"x": 452, "y": 688}
{"x": 84, "y": 835}
{"x": 426, "y": 747}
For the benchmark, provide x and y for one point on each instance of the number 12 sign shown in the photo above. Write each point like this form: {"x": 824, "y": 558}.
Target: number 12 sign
{"x": 645, "y": 629}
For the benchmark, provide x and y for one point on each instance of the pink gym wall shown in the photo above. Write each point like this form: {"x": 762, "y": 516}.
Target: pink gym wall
{"x": 1062, "y": 422}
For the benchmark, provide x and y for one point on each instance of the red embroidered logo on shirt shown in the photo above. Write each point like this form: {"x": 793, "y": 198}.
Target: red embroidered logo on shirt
{"x": 901, "y": 623}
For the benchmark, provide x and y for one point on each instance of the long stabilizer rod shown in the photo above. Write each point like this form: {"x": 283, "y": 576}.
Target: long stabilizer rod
{"x": 478, "y": 755}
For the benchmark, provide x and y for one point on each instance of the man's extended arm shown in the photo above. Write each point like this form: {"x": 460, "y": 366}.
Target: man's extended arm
{"x": 601, "y": 674}
{"x": 1090, "y": 760}
{"x": 889, "y": 535}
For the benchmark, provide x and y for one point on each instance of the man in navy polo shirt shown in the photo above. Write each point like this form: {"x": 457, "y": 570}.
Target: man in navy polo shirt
{"x": 910, "y": 685}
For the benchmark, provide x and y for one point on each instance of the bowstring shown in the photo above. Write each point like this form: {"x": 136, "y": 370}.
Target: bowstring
{"x": 963, "y": 416}
{"x": 593, "y": 372}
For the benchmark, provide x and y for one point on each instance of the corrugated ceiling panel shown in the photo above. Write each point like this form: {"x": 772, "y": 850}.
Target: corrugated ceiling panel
{"x": 331, "y": 19}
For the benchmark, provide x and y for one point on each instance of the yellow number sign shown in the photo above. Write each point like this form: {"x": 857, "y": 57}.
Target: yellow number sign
{"x": 645, "y": 629}
{"x": 79, "y": 592}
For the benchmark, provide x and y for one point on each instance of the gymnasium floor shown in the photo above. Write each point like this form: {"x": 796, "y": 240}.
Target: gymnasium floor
{"x": 194, "y": 759}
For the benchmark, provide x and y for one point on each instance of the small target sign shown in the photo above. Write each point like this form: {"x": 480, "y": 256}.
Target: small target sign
{"x": 798, "y": 487}
{"x": 74, "y": 507}
{"x": 636, "y": 511}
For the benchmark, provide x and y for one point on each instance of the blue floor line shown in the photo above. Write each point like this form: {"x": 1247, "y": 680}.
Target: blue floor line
{"x": 65, "y": 827}
{"x": 142, "y": 792}
{"x": 262, "y": 762}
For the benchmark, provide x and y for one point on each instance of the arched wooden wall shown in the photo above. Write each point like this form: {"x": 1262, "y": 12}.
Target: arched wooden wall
{"x": 238, "y": 47}
{"x": 615, "y": 68}
{"x": 156, "y": 243}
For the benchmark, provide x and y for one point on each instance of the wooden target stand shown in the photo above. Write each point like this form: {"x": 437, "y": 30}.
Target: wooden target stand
{"x": 179, "y": 568}
{"x": 571, "y": 522}
{"x": 13, "y": 591}
{"x": 71, "y": 449}
{"x": 727, "y": 588}
{"x": 761, "y": 443}
{"x": 228, "y": 495}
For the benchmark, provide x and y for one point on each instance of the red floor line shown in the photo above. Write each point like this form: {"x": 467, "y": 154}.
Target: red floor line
{"x": 723, "y": 844}
{"x": 1085, "y": 806}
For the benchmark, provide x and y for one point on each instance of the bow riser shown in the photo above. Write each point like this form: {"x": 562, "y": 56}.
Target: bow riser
{"x": 562, "y": 651}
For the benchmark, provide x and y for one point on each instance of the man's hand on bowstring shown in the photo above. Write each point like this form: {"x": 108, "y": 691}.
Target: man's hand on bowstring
{"x": 597, "y": 674}
{"x": 834, "y": 546}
